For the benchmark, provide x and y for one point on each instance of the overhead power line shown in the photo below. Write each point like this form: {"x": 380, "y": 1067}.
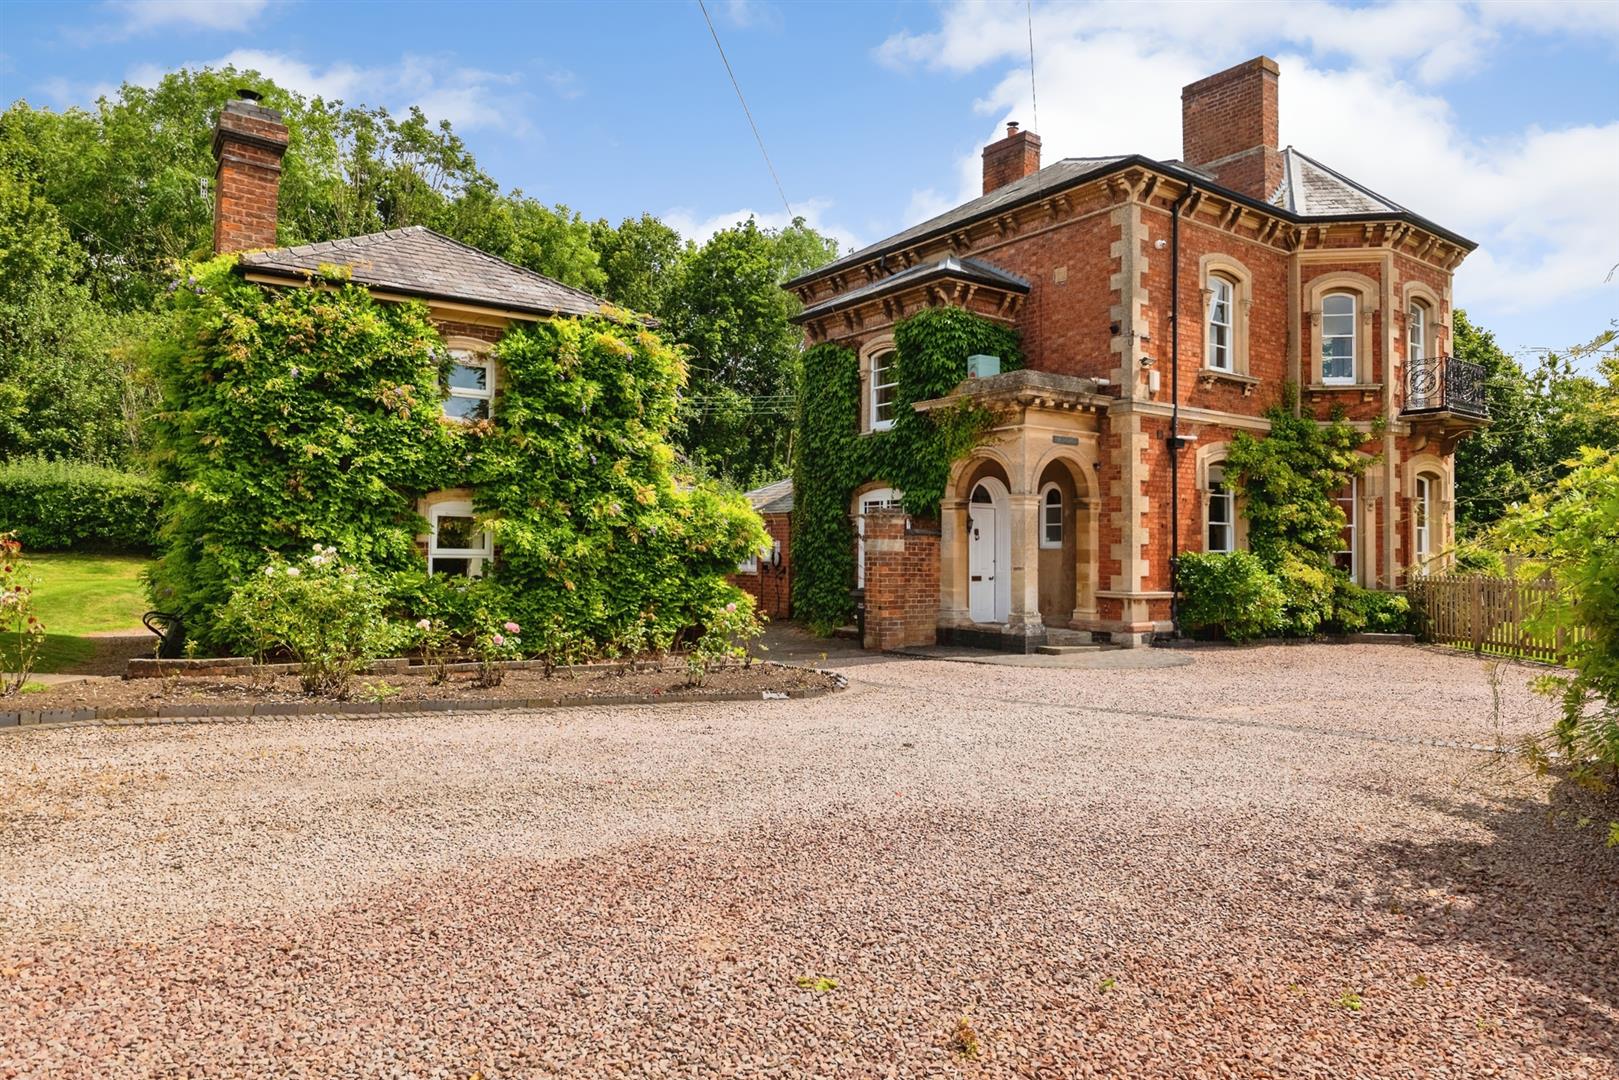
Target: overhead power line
{"x": 1034, "y": 99}
{"x": 746, "y": 111}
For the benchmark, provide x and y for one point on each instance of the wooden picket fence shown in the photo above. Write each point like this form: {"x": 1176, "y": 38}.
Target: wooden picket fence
{"x": 1489, "y": 615}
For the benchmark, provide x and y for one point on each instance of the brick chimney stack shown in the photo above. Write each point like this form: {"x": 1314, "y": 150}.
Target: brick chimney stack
{"x": 249, "y": 141}
{"x": 1229, "y": 127}
{"x": 1011, "y": 158}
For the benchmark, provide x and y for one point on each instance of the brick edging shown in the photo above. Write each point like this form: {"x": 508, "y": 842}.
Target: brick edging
{"x": 214, "y": 712}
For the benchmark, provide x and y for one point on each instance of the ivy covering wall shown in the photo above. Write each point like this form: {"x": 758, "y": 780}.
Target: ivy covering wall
{"x": 296, "y": 416}
{"x": 832, "y": 457}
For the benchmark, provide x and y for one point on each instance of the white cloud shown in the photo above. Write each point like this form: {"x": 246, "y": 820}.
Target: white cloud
{"x": 144, "y": 16}
{"x": 686, "y": 222}
{"x": 1359, "y": 91}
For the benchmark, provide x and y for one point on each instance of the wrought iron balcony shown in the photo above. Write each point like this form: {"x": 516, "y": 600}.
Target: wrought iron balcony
{"x": 1445, "y": 384}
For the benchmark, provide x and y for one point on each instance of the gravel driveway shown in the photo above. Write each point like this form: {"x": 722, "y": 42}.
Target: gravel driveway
{"x": 1272, "y": 862}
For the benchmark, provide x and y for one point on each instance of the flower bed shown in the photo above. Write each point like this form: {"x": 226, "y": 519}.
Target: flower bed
{"x": 266, "y": 692}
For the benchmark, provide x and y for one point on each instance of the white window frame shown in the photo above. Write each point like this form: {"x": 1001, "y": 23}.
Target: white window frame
{"x": 750, "y": 565}
{"x": 1416, "y": 332}
{"x": 476, "y": 557}
{"x": 1353, "y": 336}
{"x": 1222, "y": 294}
{"x": 1422, "y": 516}
{"x": 1220, "y": 495}
{"x": 1352, "y": 527}
{"x": 1046, "y": 506}
{"x": 884, "y": 498}
{"x": 471, "y": 358}
{"x": 889, "y": 370}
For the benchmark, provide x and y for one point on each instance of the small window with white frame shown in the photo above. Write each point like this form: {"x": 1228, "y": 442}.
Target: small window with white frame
{"x": 1416, "y": 333}
{"x": 1422, "y": 515}
{"x": 1338, "y": 338}
{"x": 1051, "y": 516}
{"x": 455, "y": 544}
{"x": 1221, "y": 345}
{"x": 1345, "y": 558}
{"x": 469, "y": 390}
{"x": 1222, "y": 526}
{"x": 884, "y": 381}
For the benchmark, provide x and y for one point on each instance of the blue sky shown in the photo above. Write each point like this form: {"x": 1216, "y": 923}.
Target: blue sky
{"x": 1498, "y": 120}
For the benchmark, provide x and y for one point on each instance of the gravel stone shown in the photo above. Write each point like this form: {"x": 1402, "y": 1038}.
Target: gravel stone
{"x": 1272, "y": 862}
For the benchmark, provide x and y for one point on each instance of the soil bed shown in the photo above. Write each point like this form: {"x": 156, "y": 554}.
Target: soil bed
{"x": 397, "y": 690}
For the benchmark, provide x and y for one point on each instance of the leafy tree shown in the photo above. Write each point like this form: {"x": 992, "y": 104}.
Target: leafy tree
{"x": 1539, "y": 420}
{"x": 642, "y": 258}
{"x": 730, "y": 311}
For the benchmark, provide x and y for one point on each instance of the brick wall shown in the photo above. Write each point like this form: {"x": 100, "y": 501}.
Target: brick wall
{"x": 771, "y": 585}
{"x": 1011, "y": 158}
{"x": 902, "y": 580}
{"x": 249, "y": 141}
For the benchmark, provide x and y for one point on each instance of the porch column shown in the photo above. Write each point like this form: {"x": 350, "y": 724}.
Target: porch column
{"x": 1023, "y": 617}
{"x": 953, "y": 563}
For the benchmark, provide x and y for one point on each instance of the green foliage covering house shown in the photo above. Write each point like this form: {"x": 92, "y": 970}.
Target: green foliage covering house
{"x": 833, "y": 458}
{"x": 297, "y": 416}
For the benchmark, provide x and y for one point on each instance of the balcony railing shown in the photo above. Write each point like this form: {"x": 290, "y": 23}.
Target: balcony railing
{"x": 1445, "y": 384}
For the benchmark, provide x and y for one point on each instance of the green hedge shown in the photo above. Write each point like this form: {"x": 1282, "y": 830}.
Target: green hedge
{"x": 68, "y": 506}
{"x": 1235, "y": 597}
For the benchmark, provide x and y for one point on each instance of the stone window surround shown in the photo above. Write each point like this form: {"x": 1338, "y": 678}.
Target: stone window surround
{"x": 1415, "y": 292}
{"x": 1440, "y": 528}
{"x": 1220, "y": 264}
{"x": 869, "y": 351}
{"x": 1209, "y": 457}
{"x": 1365, "y": 291}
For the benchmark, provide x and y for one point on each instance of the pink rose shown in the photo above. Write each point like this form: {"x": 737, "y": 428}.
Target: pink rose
{"x": 499, "y": 640}
{"x": 731, "y": 607}
{"x": 512, "y": 628}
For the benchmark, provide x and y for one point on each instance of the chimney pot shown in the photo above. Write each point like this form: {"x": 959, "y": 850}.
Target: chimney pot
{"x": 247, "y": 94}
{"x": 1011, "y": 128}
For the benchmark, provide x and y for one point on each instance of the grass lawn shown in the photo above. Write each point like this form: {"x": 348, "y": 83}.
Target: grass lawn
{"x": 84, "y": 594}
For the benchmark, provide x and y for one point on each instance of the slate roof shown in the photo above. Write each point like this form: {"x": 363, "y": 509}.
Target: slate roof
{"x": 417, "y": 261}
{"x": 1309, "y": 191}
{"x": 776, "y": 498}
{"x": 948, "y": 267}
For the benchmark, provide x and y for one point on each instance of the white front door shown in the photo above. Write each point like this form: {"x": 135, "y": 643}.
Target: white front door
{"x": 983, "y": 529}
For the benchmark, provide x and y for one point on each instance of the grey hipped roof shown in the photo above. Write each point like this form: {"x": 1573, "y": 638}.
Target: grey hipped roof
{"x": 776, "y": 498}
{"x": 1310, "y": 191}
{"x": 417, "y": 261}
{"x": 948, "y": 267}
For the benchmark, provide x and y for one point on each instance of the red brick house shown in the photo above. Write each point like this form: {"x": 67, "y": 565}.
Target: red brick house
{"x": 768, "y": 576}
{"x": 1163, "y": 306}
{"x": 472, "y": 296}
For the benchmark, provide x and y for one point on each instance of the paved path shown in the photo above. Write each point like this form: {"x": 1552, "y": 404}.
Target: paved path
{"x": 1277, "y": 862}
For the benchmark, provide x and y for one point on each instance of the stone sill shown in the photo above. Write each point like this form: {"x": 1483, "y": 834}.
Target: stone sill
{"x": 1327, "y": 388}
{"x": 1211, "y": 376}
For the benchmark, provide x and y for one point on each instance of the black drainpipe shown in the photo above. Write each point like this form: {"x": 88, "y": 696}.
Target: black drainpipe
{"x": 1175, "y": 406}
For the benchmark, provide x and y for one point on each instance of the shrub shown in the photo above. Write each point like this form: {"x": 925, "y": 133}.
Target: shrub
{"x": 331, "y": 617}
{"x": 21, "y": 632}
{"x": 69, "y": 506}
{"x": 1356, "y": 610}
{"x": 494, "y": 646}
{"x": 1307, "y": 591}
{"x": 729, "y": 632}
{"x": 1233, "y": 594}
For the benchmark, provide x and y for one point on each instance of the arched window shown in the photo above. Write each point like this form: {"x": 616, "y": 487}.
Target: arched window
{"x": 1422, "y": 515}
{"x": 1338, "y": 338}
{"x": 884, "y": 380}
{"x": 1051, "y": 516}
{"x": 1416, "y": 333}
{"x": 1222, "y": 519}
{"x": 1220, "y": 340}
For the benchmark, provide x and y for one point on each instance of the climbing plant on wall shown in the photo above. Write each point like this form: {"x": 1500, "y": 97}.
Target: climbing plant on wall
{"x": 297, "y": 416}
{"x": 832, "y": 458}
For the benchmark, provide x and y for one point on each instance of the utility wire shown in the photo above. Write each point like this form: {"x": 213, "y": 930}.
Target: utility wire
{"x": 746, "y": 111}
{"x": 1034, "y": 99}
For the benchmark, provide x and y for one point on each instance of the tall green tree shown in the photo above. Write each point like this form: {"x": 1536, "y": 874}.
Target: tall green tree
{"x": 730, "y": 311}
{"x": 643, "y": 259}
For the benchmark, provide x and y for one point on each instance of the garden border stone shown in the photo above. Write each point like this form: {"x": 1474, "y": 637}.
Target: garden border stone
{"x": 147, "y": 715}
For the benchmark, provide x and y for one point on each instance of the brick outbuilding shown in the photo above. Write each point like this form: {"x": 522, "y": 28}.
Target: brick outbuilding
{"x": 1108, "y": 458}
{"x": 768, "y": 576}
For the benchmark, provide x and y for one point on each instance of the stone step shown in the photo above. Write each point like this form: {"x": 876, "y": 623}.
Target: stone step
{"x": 1060, "y": 635}
{"x": 1064, "y": 650}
